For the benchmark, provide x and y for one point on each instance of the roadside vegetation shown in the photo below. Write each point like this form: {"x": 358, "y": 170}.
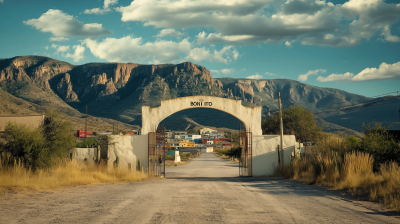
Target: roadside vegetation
{"x": 232, "y": 154}
{"x": 39, "y": 159}
{"x": 368, "y": 167}
{"x": 184, "y": 158}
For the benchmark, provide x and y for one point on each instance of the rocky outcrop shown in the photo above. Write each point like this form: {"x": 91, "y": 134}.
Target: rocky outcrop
{"x": 64, "y": 89}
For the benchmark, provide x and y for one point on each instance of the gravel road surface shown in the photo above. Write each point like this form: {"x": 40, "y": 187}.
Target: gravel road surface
{"x": 204, "y": 190}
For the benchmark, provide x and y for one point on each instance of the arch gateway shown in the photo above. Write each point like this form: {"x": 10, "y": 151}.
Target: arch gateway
{"x": 264, "y": 148}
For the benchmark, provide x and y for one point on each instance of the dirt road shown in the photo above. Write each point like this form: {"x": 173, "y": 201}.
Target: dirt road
{"x": 205, "y": 190}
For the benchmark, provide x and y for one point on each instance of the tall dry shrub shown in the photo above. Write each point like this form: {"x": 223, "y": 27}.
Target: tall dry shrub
{"x": 302, "y": 170}
{"x": 388, "y": 191}
{"x": 329, "y": 168}
{"x": 357, "y": 171}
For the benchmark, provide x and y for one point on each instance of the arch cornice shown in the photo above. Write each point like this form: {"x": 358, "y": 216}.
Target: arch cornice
{"x": 250, "y": 116}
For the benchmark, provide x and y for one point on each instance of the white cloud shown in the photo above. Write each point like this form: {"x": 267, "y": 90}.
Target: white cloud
{"x": 107, "y": 3}
{"x": 46, "y": 47}
{"x": 101, "y": 11}
{"x": 61, "y": 24}
{"x": 62, "y": 48}
{"x": 59, "y": 39}
{"x": 256, "y": 76}
{"x": 304, "y": 77}
{"x": 214, "y": 38}
{"x": 311, "y": 22}
{"x": 54, "y": 46}
{"x": 129, "y": 49}
{"x": 288, "y": 44}
{"x": 384, "y": 72}
{"x": 215, "y": 71}
{"x": 269, "y": 73}
{"x": 1, "y": 1}
{"x": 170, "y": 32}
{"x": 243, "y": 69}
{"x": 78, "y": 54}
{"x": 388, "y": 35}
{"x": 224, "y": 71}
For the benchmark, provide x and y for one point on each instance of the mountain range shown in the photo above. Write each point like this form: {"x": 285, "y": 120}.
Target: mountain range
{"x": 115, "y": 92}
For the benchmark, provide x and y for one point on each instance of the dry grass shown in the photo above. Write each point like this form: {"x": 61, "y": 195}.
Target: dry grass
{"x": 388, "y": 191}
{"x": 357, "y": 174}
{"x": 68, "y": 173}
{"x": 354, "y": 173}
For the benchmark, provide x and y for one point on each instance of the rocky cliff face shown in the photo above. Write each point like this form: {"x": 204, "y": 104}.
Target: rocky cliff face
{"x": 38, "y": 70}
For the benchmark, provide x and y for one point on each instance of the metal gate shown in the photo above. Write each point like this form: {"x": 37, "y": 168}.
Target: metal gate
{"x": 157, "y": 146}
{"x": 245, "y": 161}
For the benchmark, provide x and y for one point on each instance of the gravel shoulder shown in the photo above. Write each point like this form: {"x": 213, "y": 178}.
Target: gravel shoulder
{"x": 206, "y": 189}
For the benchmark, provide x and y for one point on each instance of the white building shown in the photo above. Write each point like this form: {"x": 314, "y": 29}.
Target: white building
{"x": 180, "y": 137}
{"x": 204, "y": 130}
{"x": 210, "y": 142}
{"x": 196, "y": 137}
{"x": 216, "y": 135}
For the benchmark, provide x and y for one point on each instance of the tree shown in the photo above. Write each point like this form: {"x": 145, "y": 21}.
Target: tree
{"x": 296, "y": 121}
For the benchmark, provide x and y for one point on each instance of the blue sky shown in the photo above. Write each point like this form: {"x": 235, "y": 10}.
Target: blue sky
{"x": 350, "y": 45}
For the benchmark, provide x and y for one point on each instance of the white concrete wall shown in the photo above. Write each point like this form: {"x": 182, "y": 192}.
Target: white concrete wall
{"x": 134, "y": 147}
{"x": 265, "y": 152}
{"x": 80, "y": 154}
{"x": 129, "y": 148}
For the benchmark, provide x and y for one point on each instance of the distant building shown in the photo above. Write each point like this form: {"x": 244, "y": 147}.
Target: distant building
{"x": 206, "y": 131}
{"x": 133, "y": 132}
{"x": 83, "y": 134}
{"x": 180, "y": 136}
{"x": 29, "y": 120}
{"x": 180, "y": 132}
{"x": 106, "y": 133}
{"x": 186, "y": 144}
{"x": 196, "y": 137}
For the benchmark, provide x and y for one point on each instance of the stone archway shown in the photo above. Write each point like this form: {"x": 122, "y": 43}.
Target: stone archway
{"x": 250, "y": 116}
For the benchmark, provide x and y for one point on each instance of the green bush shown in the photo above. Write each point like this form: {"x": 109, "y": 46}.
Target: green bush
{"x": 234, "y": 152}
{"x": 86, "y": 143}
{"x": 170, "y": 157}
{"x": 38, "y": 148}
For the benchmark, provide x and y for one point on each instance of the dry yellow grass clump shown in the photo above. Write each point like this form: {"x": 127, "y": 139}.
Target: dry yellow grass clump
{"x": 388, "y": 191}
{"x": 67, "y": 173}
{"x": 354, "y": 173}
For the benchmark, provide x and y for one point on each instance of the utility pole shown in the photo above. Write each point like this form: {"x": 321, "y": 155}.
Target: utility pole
{"x": 86, "y": 124}
{"x": 281, "y": 125}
